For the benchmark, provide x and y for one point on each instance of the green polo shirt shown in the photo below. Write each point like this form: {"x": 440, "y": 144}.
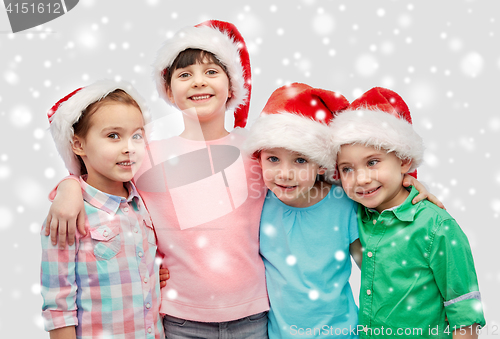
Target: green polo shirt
{"x": 418, "y": 277}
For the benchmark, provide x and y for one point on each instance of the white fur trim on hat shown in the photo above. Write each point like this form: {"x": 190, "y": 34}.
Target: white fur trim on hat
{"x": 379, "y": 129}
{"x": 208, "y": 39}
{"x": 292, "y": 132}
{"x": 70, "y": 111}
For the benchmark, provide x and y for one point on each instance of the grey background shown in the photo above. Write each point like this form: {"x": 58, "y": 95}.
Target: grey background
{"x": 442, "y": 57}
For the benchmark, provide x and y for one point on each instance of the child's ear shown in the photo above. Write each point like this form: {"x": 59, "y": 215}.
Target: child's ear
{"x": 169, "y": 94}
{"x": 258, "y": 156}
{"x": 229, "y": 94}
{"x": 405, "y": 165}
{"x": 321, "y": 170}
{"x": 77, "y": 146}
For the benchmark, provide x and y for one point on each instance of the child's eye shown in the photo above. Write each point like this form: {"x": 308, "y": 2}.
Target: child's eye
{"x": 183, "y": 75}
{"x": 301, "y": 160}
{"x": 345, "y": 169}
{"x": 373, "y": 162}
{"x": 113, "y": 135}
{"x": 137, "y": 136}
{"x": 273, "y": 159}
{"x": 212, "y": 72}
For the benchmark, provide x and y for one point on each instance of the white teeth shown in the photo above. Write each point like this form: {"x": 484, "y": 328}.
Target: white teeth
{"x": 126, "y": 163}
{"x": 200, "y": 97}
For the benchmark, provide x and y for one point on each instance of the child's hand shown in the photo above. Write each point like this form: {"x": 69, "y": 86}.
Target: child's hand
{"x": 66, "y": 213}
{"x": 408, "y": 180}
{"x": 164, "y": 276}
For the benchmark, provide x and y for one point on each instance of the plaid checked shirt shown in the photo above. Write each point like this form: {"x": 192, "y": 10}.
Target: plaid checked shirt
{"x": 107, "y": 283}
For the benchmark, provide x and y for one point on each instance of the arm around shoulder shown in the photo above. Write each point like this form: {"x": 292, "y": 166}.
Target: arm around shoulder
{"x": 66, "y": 213}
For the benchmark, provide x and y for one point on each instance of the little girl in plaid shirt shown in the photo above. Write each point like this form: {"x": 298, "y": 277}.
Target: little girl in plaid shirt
{"x": 106, "y": 285}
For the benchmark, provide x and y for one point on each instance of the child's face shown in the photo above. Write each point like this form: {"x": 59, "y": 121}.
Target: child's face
{"x": 372, "y": 177}
{"x": 201, "y": 86}
{"x": 289, "y": 175}
{"x": 114, "y": 146}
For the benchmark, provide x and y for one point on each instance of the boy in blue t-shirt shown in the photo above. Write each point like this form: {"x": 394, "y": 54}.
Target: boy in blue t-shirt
{"x": 418, "y": 277}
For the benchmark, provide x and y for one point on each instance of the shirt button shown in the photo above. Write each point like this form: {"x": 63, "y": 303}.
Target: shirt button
{"x": 369, "y": 254}
{"x": 105, "y": 233}
{"x": 148, "y": 306}
{"x": 374, "y": 222}
{"x": 368, "y": 292}
{"x": 150, "y": 330}
{"x": 140, "y": 254}
{"x": 125, "y": 209}
{"x": 136, "y": 230}
{"x": 145, "y": 280}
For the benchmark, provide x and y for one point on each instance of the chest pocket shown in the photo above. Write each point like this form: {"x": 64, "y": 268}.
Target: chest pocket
{"x": 106, "y": 241}
{"x": 150, "y": 233}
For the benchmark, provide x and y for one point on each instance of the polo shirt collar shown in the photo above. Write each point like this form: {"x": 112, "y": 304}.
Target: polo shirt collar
{"x": 104, "y": 201}
{"x": 404, "y": 212}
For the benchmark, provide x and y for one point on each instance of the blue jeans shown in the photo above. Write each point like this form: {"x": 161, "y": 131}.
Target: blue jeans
{"x": 252, "y": 327}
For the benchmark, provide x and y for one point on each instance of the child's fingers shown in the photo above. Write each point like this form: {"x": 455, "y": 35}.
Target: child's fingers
{"x": 71, "y": 231}
{"x": 47, "y": 224}
{"x": 53, "y": 230}
{"x": 164, "y": 274}
{"x": 81, "y": 223}
{"x": 419, "y": 197}
{"x": 432, "y": 198}
{"x": 62, "y": 233}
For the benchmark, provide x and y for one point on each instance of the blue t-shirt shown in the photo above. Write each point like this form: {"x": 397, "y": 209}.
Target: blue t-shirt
{"x": 308, "y": 265}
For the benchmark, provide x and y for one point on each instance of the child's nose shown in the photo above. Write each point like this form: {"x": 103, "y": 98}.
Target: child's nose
{"x": 129, "y": 147}
{"x": 286, "y": 173}
{"x": 363, "y": 177}
{"x": 199, "y": 80}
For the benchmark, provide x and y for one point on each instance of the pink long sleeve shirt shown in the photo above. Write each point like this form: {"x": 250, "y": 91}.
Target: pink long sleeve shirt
{"x": 205, "y": 199}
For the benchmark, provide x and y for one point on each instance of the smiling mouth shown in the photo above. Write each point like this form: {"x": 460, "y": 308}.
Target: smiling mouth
{"x": 286, "y": 188}
{"x": 200, "y": 97}
{"x": 365, "y": 193}
{"x": 126, "y": 163}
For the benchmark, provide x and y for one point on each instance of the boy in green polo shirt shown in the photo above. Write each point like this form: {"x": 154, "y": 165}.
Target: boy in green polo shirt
{"x": 418, "y": 277}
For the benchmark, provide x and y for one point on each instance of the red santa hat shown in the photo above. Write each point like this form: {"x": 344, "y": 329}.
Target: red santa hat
{"x": 379, "y": 118}
{"x": 67, "y": 111}
{"x": 296, "y": 118}
{"x": 224, "y": 41}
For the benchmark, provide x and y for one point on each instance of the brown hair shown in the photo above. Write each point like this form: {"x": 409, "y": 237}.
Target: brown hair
{"x": 82, "y": 126}
{"x": 190, "y": 57}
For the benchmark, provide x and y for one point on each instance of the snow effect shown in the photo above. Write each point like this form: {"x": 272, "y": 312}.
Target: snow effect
{"x": 313, "y": 295}
{"x": 6, "y": 218}
{"x": 323, "y": 24}
{"x": 340, "y": 255}
{"x": 291, "y": 260}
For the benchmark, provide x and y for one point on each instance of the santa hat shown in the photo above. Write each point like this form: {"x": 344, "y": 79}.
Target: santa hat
{"x": 379, "y": 118}
{"x": 296, "y": 118}
{"x": 224, "y": 41}
{"x": 67, "y": 111}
